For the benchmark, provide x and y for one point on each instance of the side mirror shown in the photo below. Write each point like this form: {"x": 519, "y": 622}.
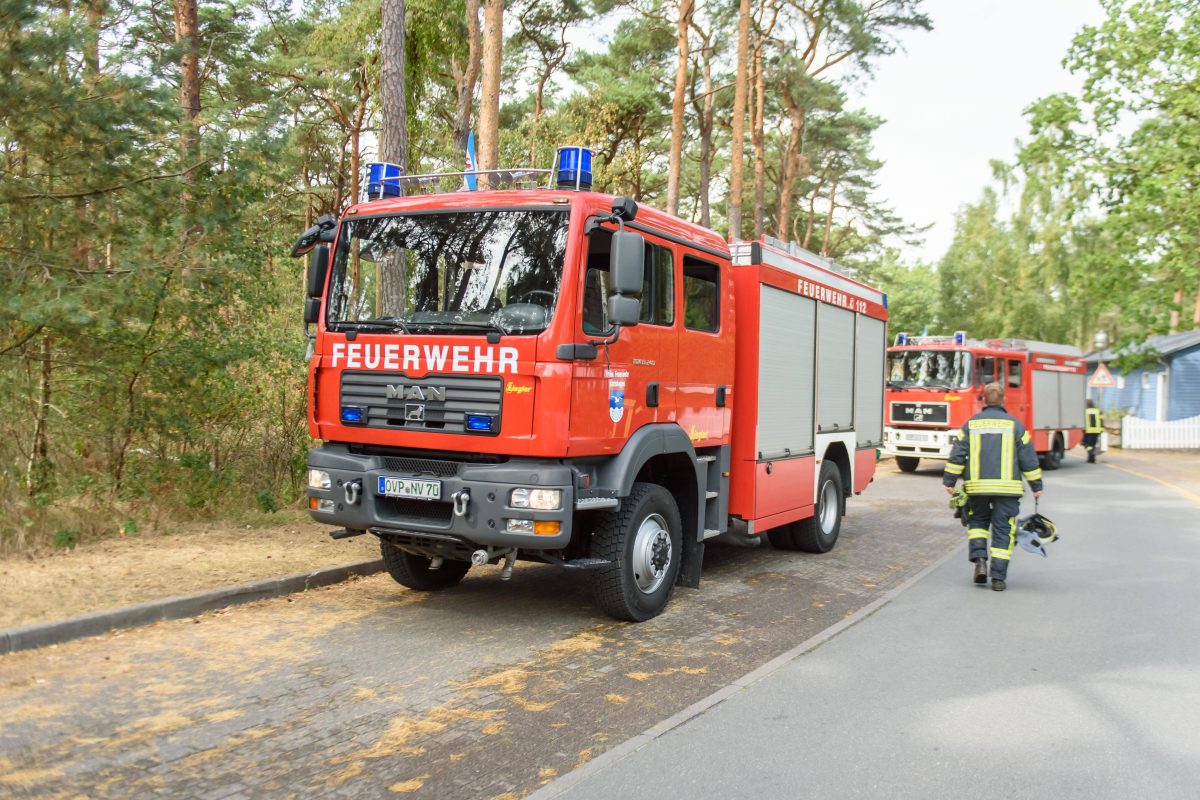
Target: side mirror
{"x": 624, "y": 310}
{"x": 626, "y": 266}
{"x": 318, "y": 266}
{"x": 312, "y": 310}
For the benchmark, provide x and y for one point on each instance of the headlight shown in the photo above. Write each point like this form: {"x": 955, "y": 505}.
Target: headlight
{"x": 319, "y": 479}
{"x": 541, "y": 499}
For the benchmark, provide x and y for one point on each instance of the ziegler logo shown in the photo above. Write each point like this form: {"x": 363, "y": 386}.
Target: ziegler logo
{"x": 435, "y": 393}
{"x": 512, "y": 388}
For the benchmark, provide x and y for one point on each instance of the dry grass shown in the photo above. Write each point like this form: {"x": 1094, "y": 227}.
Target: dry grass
{"x": 192, "y": 558}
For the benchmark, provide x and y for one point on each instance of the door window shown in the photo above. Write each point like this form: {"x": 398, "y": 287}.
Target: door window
{"x": 985, "y": 370}
{"x": 1014, "y": 374}
{"x": 701, "y": 297}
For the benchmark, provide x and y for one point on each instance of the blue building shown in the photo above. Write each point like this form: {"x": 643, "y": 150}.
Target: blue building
{"x": 1167, "y": 388}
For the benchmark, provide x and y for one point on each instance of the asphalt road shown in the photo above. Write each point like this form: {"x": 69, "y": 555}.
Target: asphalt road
{"x": 490, "y": 690}
{"x": 1081, "y": 680}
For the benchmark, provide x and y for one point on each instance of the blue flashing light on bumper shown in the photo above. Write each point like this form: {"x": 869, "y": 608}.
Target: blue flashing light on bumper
{"x": 479, "y": 422}
{"x": 353, "y": 415}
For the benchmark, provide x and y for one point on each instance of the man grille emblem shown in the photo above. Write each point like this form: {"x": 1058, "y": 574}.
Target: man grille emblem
{"x": 401, "y": 392}
{"x": 414, "y": 412}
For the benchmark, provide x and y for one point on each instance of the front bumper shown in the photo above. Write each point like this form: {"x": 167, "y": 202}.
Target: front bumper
{"x": 918, "y": 442}
{"x": 482, "y": 521}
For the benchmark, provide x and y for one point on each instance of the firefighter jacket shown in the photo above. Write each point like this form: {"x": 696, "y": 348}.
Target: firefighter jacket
{"x": 992, "y": 454}
{"x": 1094, "y": 425}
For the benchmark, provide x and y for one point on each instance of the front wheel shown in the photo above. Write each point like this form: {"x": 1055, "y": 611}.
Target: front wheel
{"x": 818, "y": 533}
{"x": 907, "y": 463}
{"x": 642, "y": 541}
{"x": 1054, "y": 458}
{"x": 415, "y": 572}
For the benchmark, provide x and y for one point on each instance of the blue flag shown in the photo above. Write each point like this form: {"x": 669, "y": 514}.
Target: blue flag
{"x": 469, "y": 181}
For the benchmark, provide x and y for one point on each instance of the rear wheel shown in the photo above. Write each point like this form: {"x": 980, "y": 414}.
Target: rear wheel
{"x": 413, "y": 571}
{"x": 818, "y": 533}
{"x": 907, "y": 463}
{"x": 642, "y": 541}
{"x": 1056, "y": 455}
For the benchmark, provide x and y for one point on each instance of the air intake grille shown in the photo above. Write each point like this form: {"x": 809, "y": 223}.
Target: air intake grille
{"x": 433, "y": 403}
{"x": 421, "y": 466}
{"x": 398, "y": 510}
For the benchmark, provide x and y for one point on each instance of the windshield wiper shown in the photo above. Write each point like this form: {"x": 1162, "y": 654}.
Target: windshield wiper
{"x": 380, "y": 324}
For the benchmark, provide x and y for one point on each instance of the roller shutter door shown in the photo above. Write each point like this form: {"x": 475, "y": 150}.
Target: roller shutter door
{"x": 785, "y": 373}
{"x": 835, "y": 368}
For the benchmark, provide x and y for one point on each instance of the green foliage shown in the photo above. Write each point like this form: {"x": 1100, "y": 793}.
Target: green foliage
{"x": 66, "y": 538}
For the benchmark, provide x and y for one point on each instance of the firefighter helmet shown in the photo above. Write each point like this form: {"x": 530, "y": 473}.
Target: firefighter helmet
{"x": 1038, "y": 527}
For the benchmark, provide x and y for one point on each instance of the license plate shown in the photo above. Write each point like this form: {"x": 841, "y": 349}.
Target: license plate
{"x": 408, "y": 487}
{"x": 917, "y": 437}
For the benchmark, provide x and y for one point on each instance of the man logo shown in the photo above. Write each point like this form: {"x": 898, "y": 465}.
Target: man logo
{"x": 436, "y": 394}
{"x": 414, "y": 412}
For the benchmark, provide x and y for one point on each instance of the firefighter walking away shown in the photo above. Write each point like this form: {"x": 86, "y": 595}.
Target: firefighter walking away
{"x": 992, "y": 454}
{"x": 1093, "y": 427}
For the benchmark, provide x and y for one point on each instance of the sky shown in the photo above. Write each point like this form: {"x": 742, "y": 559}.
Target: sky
{"x": 954, "y": 101}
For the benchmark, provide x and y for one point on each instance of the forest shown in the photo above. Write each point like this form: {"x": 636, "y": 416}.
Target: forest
{"x": 159, "y": 157}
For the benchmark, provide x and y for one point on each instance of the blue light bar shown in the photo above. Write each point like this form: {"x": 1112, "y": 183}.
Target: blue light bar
{"x": 574, "y": 168}
{"x": 352, "y": 415}
{"x": 901, "y": 338}
{"x": 960, "y": 337}
{"x": 479, "y": 422}
{"x": 383, "y": 180}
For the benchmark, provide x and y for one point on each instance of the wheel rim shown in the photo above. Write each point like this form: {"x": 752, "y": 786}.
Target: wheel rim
{"x": 652, "y": 554}
{"x": 829, "y": 507}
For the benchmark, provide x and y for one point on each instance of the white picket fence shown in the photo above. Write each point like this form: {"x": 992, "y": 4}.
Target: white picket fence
{"x": 1145, "y": 434}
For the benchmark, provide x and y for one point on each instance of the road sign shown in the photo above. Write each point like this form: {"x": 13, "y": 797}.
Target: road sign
{"x": 1101, "y": 378}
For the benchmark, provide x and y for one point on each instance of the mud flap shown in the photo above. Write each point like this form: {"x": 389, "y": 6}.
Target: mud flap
{"x": 693, "y": 560}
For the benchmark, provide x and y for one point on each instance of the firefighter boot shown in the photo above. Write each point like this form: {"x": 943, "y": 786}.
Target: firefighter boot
{"x": 1091, "y": 455}
{"x": 981, "y": 571}
{"x": 998, "y": 585}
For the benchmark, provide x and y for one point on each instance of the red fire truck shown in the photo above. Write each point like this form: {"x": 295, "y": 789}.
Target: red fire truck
{"x": 560, "y": 376}
{"x": 935, "y": 384}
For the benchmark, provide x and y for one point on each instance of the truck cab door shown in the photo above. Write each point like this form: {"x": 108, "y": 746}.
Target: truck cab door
{"x": 705, "y": 360}
{"x": 631, "y": 383}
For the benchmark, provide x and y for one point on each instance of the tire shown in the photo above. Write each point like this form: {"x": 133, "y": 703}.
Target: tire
{"x": 1055, "y": 457}
{"x": 907, "y": 463}
{"x": 818, "y": 533}
{"x": 411, "y": 570}
{"x": 643, "y": 543}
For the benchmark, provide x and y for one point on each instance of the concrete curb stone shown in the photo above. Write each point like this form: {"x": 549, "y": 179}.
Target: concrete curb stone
{"x": 41, "y": 634}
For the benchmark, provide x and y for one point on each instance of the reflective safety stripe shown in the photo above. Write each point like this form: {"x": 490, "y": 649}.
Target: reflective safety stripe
{"x": 954, "y": 469}
{"x": 977, "y": 533}
{"x": 1033, "y": 474}
{"x": 994, "y": 487}
{"x": 974, "y": 447}
{"x": 1006, "y": 457}
{"x": 1094, "y": 425}
{"x": 1025, "y": 438}
{"x": 1005, "y": 553}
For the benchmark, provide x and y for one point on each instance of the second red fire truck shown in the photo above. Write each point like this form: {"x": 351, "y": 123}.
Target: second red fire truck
{"x": 556, "y": 375}
{"x": 935, "y": 384}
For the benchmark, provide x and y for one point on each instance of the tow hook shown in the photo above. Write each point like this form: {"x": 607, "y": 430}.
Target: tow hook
{"x": 352, "y": 490}
{"x": 484, "y": 556}
{"x": 462, "y": 499}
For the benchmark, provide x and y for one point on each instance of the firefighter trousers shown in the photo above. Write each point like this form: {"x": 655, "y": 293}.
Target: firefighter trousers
{"x": 994, "y": 517}
{"x": 1091, "y": 443}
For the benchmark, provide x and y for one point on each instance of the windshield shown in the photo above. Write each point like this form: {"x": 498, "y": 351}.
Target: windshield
{"x": 451, "y": 272}
{"x": 930, "y": 369}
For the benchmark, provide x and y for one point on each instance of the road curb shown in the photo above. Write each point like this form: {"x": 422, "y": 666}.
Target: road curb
{"x": 637, "y": 742}
{"x": 40, "y": 634}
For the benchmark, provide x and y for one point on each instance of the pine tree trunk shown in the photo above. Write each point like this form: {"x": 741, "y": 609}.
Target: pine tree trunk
{"x": 736, "y": 180}
{"x": 468, "y": 79}
{"x": 790, "y": 169}
{"x": 40, "y": 472}
{"x": 393, "y": 143}
{"x": 675, "y": 160}
{"x": 759, "y": 137}
{"x": 706, "y": 148}
{"x": 829, "y": 218}
{"x": 187, "y": 37}
{"x": 489, "y": 102}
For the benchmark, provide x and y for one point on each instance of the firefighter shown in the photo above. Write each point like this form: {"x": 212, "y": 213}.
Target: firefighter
{"x": 1091, "y": 432}
{"x": 991, "y": 454}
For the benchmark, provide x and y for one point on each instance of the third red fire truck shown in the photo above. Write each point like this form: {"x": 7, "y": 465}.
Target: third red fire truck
{"x": 935, "y": 384}
{"x": 560, "y": 376}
